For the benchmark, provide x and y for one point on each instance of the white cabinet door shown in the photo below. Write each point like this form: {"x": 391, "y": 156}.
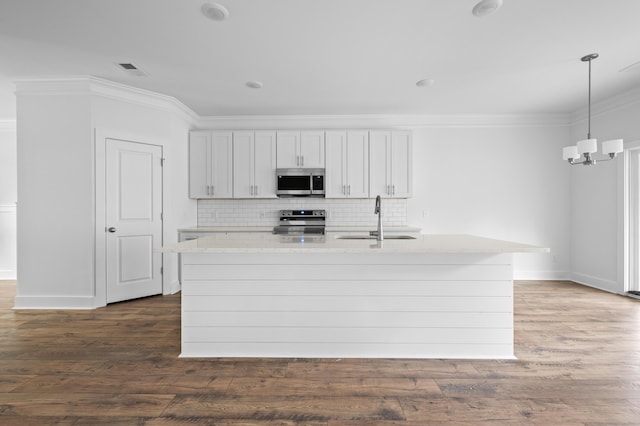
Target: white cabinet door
{"x": 312, "y": 149}
{"x": 254, "y": 160}
{"x": 288, "y": 149}
{"x": 335, "y": 178}
{"x": 265, "y": 165}
{"x": 401, "y": 161}
{"x": 300, "y": 149}
{"x": 379, "y": 175}
{"x": 210, "y": 164}
{"x": 357, "y": 153}
{"x": 199, "y": 169}
{"x": 243, "y": 164}
{"x": 390, "y": 171}
{"x": 221, "y": 165}
{"x": 347, "y": 164}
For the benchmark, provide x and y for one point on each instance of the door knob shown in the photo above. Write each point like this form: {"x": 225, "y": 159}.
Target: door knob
{"x": 112, "y": 229}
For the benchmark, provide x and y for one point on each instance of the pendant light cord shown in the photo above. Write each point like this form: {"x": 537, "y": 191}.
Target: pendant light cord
{"x": 589, "y": 108}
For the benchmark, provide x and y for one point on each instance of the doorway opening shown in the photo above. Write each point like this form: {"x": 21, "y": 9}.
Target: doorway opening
{"x": 632, "y": 219}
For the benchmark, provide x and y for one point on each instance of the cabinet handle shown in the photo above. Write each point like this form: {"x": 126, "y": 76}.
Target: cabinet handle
{"x": 255, "y": 190}
{"x": 348, "y": 189}
{"x": 393, "y": 190}
{"x": 208, "y": 189}
{"x": 213, "y": 190}
{"x": 297, "y": 160}
{"x": 302, "y": 160}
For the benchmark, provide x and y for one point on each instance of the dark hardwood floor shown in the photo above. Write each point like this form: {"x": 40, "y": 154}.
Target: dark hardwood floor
{"x": 578, "y": 363}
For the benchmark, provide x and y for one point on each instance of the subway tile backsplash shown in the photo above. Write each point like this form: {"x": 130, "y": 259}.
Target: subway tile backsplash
{"x": 340, "y": 212}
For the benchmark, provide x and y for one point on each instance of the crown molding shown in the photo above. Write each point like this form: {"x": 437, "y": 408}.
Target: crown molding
{"x": 7, "y": 125}
{"x": 90, "y": 85}
{"x": 372, "y": 121}
{"x": 606, "y": 106}
{"x": 77, "y": 85}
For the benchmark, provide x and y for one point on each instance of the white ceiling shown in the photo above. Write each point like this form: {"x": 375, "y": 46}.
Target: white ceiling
{"x": 332, "y": 56}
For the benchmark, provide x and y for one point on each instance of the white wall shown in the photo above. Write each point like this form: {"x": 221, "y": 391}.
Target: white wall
{"x": 596, "y": 205}
{"x": 56, "y": 215}
{"x": 8, "y": 198}
{"x": 498, "y": 182}
{"x": 55, "y": 190}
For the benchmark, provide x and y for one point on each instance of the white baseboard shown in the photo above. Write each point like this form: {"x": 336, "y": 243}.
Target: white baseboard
{"x": 595, "y": 282}
{"x": 54, "y": 302}
{"x": 541, "y": 275}
{"x": 7, "y": 274}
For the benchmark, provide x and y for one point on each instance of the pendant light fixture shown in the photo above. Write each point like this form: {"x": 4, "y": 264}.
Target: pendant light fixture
{"x": 589, "y": 146}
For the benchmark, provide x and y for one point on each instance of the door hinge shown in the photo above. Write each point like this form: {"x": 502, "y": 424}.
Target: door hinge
{"x": 162, "y": 161}
{"x": 161, "y": 270}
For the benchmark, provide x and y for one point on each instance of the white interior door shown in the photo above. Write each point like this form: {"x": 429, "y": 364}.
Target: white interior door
{"x": 133, "y": 220}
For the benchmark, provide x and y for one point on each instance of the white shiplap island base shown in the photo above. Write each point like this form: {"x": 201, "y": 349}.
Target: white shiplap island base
{"x": 262, "y": 295}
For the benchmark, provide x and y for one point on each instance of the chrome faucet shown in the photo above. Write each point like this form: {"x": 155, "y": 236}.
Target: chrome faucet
{"x": 378, "y": 210}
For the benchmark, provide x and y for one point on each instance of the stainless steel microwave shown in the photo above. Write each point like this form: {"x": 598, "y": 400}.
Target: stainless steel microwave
{"x": 300, "y": 182}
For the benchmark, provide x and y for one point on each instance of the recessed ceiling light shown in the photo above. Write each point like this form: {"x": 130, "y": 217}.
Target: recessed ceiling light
{"x": 254, "y": 84}
{"x": 486, "y": 7}
{"x": 426, "y": 82}
{"x": 214, "y": 11}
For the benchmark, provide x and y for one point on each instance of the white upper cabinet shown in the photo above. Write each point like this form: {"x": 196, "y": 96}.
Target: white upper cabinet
{"x": 347, "y": 164}
{"x": 242, "y": 164}
{"x": 210, "y": 164}
{"x": 390, "y": 159}
{"x": 254, "y": 164}
{"x": 300, "y": 149}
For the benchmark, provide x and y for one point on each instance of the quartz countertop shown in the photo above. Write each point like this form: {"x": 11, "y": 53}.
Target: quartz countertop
{"x": 394, "y": 229}
{"x": 227, "y": 229}
{"x": 262, "y": 242}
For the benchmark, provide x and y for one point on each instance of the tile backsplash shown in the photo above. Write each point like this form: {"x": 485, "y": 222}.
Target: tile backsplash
{"x": 265, "y": 212}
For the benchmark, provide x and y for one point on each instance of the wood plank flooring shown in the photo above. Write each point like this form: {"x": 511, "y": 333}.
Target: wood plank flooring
{"x": 578, "y": 363}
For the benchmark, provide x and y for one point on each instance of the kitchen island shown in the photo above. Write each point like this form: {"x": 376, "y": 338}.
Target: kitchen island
{"x": 263, "y": 295}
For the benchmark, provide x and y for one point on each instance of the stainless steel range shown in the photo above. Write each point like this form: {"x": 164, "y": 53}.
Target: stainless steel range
{"x": 298, "y": 222}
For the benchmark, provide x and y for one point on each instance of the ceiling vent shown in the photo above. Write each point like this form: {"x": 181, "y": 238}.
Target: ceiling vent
{"x": 132, "y": 69}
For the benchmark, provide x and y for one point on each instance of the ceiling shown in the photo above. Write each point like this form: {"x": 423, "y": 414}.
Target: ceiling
{"x": 332, "y": 56}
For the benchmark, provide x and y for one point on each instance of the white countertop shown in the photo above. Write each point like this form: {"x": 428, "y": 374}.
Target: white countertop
{"x": 227, "y": 229}
{"x": 262, "y": 242}
{"x": 394, "y": 229}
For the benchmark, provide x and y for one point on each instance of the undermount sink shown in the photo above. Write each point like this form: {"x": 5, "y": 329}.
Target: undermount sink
{"x": 373, "y": 237}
